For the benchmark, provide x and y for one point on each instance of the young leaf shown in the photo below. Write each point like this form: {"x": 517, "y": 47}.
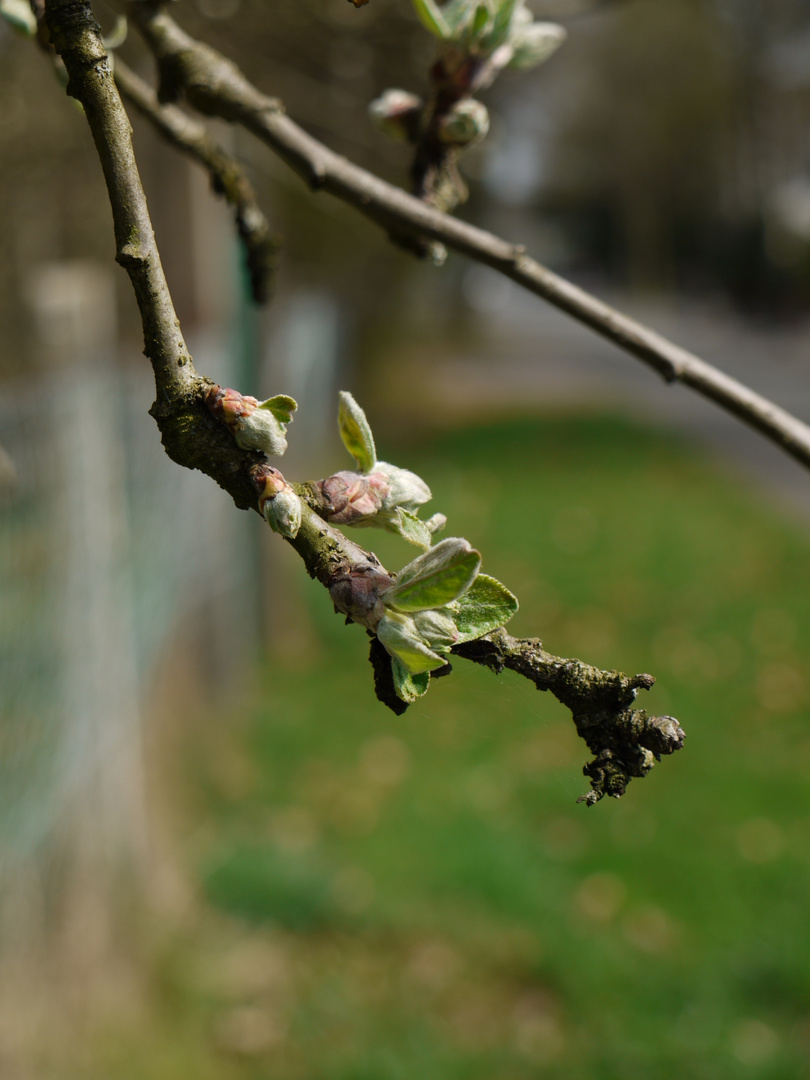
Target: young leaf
{"x": 502, "y": 23}
{"x": 436, "y": 523}
{"x": 356, "y": 432}
{"x": 456, "y": 14}
{"x": 484, "y": 607}
{"x": 413, "y": 530}
{"x": 407, "y": 489}
{"x": 480, "y": 21}
{"x": 436, "y": 628}
{"x": 281, "y": 406}
{"x": 442, "y": 574}
{"x": 535, "y": 44}
{"x": 408, "y": 687}
{"x": 432, "y": 18}
{"x": 399, "y": 636}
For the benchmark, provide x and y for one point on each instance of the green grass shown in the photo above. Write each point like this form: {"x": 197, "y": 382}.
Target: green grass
{"x": 421, "y": 897}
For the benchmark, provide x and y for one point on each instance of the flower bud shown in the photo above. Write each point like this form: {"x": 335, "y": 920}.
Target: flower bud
{"x": 465, "y": 123}
{"x": 353, "y": 497}
{"x": 358, "y": 596}
{"x": 396, "y": 113}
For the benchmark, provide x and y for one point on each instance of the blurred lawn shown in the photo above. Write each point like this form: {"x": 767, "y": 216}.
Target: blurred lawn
{"x": 420, "y": 898}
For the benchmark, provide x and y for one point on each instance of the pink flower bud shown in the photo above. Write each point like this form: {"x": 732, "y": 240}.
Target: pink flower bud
{"x": 358, "y": 595}
{"x": 353, "y": 496}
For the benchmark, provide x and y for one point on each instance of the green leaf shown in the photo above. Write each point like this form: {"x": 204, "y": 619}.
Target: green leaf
{"x": 484, "y": 607}
{"x": 407, "y": 489}
{"x": 442, "y": 574}
{"x": 503, "y": 21}
{"x": 281, "y": 406}
{"x": 431, "y": 18}
{"x": 480, "y": 20}
{"x": 408, "y": 687}
{"x": 457, "y": 13}
{"x": 413, "y": 530}
{"x": 356, "y": 432}
{"x": 535, "y": 45}
{"x": 399, "y": 636}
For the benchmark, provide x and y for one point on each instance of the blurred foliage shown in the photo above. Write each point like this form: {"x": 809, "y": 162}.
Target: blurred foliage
{"x": 420, "y": 896}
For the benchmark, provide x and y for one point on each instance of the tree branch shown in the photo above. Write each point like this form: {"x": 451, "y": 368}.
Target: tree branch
{"x": 227, "y": 178}
{"x": 625, "y": 741}
{"x": 215, "y": 86}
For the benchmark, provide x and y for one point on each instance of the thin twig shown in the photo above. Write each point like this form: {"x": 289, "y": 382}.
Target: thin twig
{"x": 215, "y": 86}
{"x": 227, "y": 177}
{"x": 75, "y": 35}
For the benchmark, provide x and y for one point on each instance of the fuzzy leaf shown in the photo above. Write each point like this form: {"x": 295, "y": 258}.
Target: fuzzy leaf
{"x": 408, "y": 687}
{"x": 413, "y": 530}
{"x": 442, "y": 574}
{"x": 431, "y": 18}
{"x": 399, "y": 636}
{"x": 436, "y": 523}
{"x": 283, "y": 514}
{"x": 484, "y": 607}
{"x": 536, "y": 44}
{"x": 281, "y": 406}
{"x": 356, "y": 432}
{"x": 456, "y": 14}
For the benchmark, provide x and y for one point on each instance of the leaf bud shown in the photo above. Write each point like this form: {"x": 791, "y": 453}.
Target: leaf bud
{"x": 278, "y": 502}
{"x": 268, "y": 482}
{"x": 255, "y": 425}
{"x": 465, "y": 123}
{"x": 283, "y": 513}
{"x": 534, "y": 44}
{"x": 397, "y": 114}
